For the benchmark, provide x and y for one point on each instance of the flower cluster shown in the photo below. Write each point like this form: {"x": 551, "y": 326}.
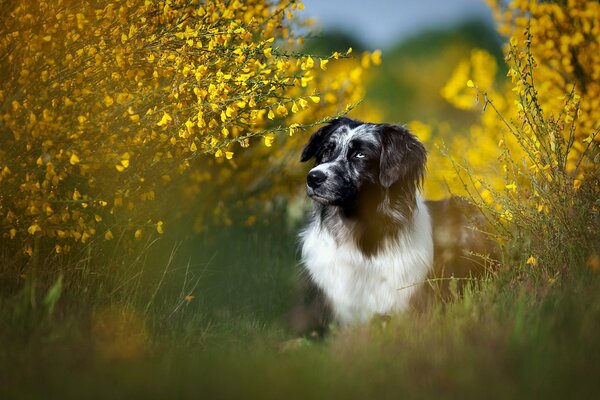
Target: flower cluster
{"x": 532, "y": 160}
{"x": 106, "y": 107}
{"x": 553, "y": 56}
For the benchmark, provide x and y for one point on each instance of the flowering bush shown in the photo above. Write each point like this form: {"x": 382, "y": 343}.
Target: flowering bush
{"x": 106, "y": 108}
{"x": 541, "y": 127}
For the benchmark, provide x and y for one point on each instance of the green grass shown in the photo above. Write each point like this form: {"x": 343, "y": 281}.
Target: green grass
{"x": 511, "y": 336}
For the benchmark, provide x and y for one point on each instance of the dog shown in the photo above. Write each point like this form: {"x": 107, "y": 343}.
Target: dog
{"x": 372, "y": 239}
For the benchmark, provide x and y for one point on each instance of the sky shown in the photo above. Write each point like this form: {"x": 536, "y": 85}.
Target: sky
{"x": 381, "y": 23}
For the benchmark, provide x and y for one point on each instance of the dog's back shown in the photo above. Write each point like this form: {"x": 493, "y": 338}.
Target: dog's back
{"x": 462, "y": 249}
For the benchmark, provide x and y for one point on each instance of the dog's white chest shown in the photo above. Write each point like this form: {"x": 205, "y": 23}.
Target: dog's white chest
{"x": 360, "y": 287}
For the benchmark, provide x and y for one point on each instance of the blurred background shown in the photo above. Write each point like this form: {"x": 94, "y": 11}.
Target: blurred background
{"x": 421, "y": 41}
{"x": 385, "y": 23}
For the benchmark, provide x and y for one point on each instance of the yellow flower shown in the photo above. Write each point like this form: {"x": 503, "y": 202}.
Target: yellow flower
{"x": 33, "y": 229}
{"x": 269, "y": 140}
{"x": 138, "y": 234}
{"x": 293, "y": 128}
{"x": 159, "y": 227}
{"x": 166, "y": 118}
{"x": 122, "y": 165}
{"x": 421, "y": 130}
{"x": 282, "y": 110}
{"x": 506, "y": 215}
{"x": 108, "y": 101}
{"x": 376, "y": 57}
{"x": 532, "y": 261}
{"x": 512, "y": 187}
{"x": 310, "y": 62}
{"x": 74, "y": 159}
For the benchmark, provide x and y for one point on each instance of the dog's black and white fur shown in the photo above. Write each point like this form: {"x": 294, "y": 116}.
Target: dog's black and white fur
{"x": 369, "y": 244}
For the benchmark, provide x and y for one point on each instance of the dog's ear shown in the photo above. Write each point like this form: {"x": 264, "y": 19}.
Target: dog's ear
{"x": 317, "y": 139}
{"x": 403, "y": 158}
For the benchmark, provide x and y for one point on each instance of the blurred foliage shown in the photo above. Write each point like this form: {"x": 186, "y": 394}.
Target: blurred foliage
{"x": 328, "y": 41}
{"x": 109, "y": 112}
{"x": 407, "y": 85}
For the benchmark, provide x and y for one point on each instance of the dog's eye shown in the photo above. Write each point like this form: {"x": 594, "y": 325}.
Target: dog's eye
{"x": 327, "y": 153}
{"x": 358, "y": 154}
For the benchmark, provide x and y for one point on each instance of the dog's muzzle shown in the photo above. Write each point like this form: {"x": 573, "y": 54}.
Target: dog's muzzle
{"x": 314, "y": 186}
{"x": 315, "y": 179}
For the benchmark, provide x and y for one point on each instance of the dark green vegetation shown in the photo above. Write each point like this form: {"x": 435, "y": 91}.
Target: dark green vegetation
{"x": 203, "y": 315}
{"x": 510, "y": 335}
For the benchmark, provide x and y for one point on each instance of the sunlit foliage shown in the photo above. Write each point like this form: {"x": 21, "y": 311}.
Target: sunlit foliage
{"x": 532, "y": 161}
{"x": 108, "y": 108}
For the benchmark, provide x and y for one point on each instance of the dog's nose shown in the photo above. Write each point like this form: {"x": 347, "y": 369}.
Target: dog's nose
{"x": 315, "y": 178}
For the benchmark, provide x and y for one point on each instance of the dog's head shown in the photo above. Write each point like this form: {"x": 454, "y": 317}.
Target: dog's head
{"x": 358, "y": 162}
